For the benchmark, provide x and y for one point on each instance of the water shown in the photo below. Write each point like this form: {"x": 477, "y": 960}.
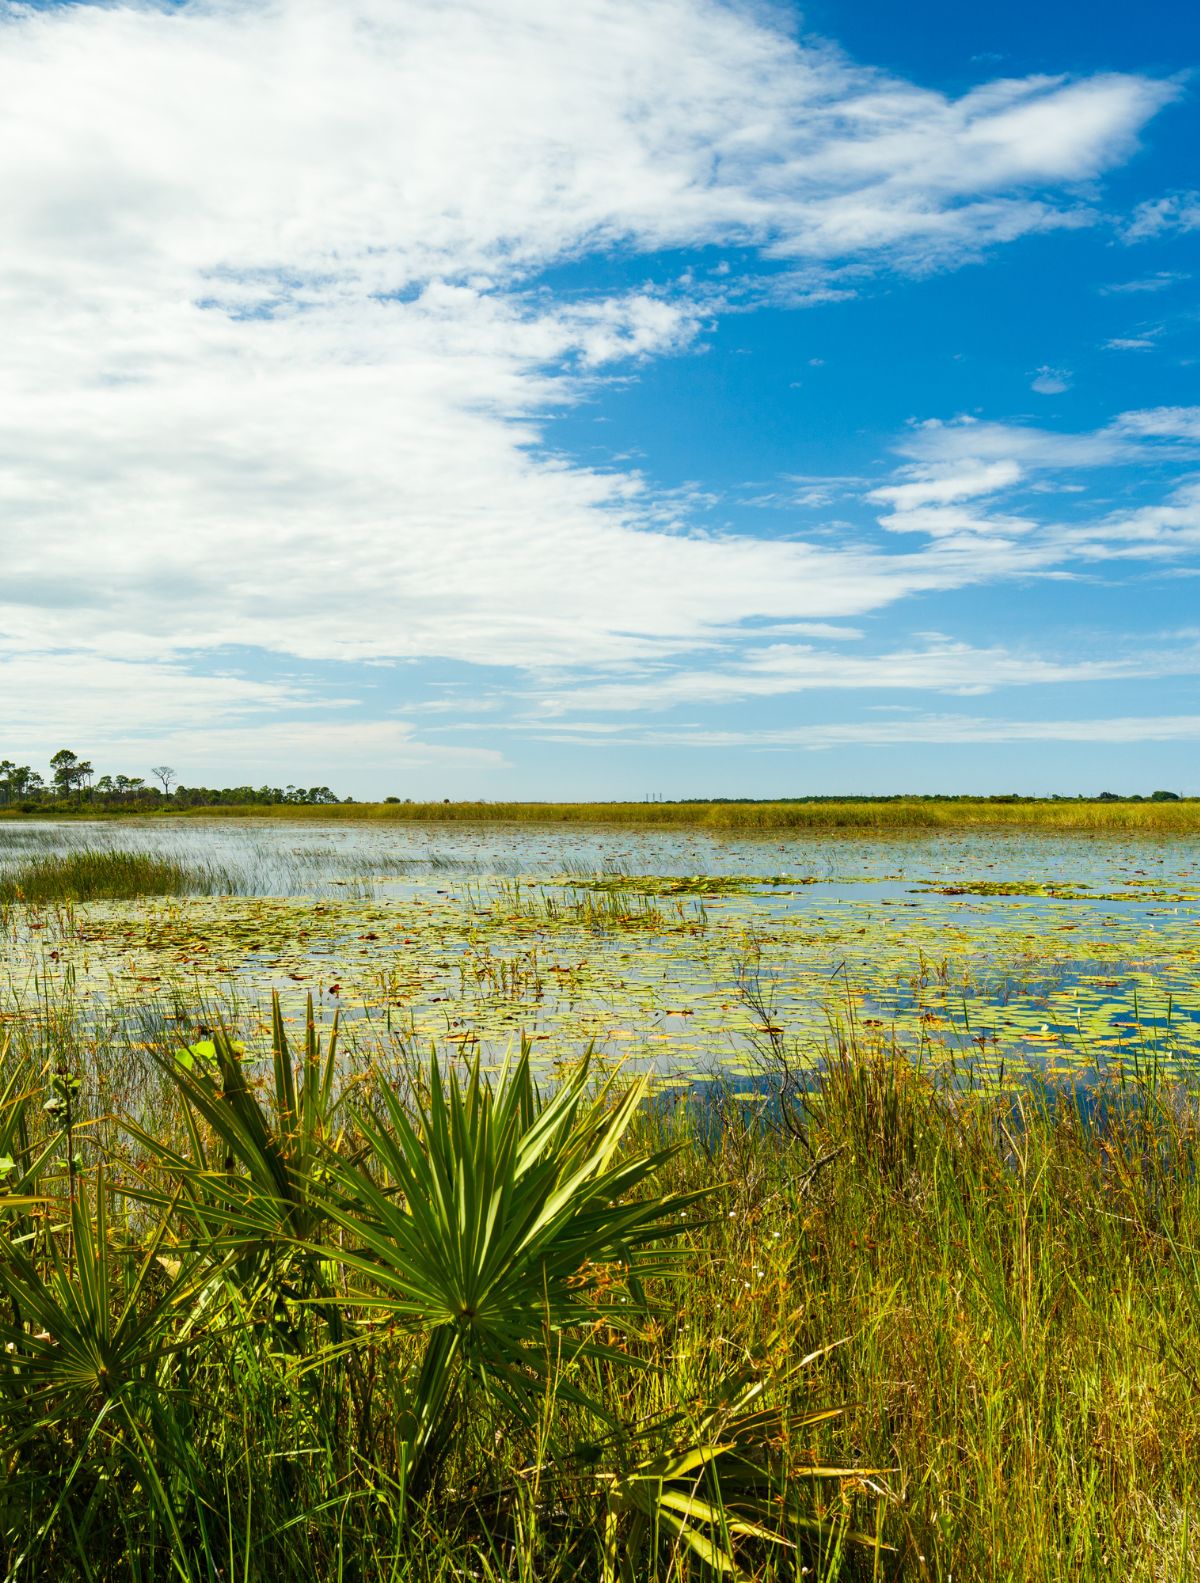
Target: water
{"x": 420, "y": 932}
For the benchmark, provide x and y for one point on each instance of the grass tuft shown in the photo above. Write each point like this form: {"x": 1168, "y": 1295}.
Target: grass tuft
{"x": 102, "y": 874}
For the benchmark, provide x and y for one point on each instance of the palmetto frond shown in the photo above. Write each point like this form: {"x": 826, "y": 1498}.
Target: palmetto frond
{"x": 500, "y": 1224}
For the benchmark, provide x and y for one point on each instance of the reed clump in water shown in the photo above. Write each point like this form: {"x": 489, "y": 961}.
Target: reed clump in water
{"x": 103, "y": 874}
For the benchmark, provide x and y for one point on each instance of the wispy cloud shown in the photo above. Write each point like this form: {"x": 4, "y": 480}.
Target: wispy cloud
{"x": 967, "y": 448}
{"x": 1175, "y": 211}
{"x": 1161, "y": 423}
{"x": 783, "y": 669}
{"x": 907, "y": 731}
{"x": 139, "y": 708}
{"x": 980, "y": 463}
{"x": 931, "y": 487}
{"x": 1163, "y": 280}
{"x": 1051, "y": 381}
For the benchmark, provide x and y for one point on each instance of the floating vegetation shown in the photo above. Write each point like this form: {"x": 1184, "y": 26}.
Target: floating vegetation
{"x": 954, "y": 951}
{"x": 625, "y": 884}
{"x": 604, "y": 907}
{"x": 1140, "y": 891}
{"x": 516, "y": 977}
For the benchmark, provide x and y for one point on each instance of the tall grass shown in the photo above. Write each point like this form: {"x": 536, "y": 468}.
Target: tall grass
{"x": 1018, "y": 1285}
{"x": 95, "y": 874}
{"x": 376, "y": 1320}
{"x": 885, "y": 816}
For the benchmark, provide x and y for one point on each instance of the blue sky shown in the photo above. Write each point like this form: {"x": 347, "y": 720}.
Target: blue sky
{"x": 492, "y": 398}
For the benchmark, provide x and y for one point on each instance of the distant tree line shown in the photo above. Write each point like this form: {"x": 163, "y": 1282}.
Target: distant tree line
{"x": 72, "y": 781}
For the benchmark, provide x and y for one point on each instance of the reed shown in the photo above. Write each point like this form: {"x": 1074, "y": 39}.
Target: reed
{"x": 605, "y": 908}
{"x": 104, "y": 874}
{"x": 881, "y": 816}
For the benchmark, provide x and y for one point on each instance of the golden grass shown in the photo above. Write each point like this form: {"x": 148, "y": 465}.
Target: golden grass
{"x": 898, "y": 815}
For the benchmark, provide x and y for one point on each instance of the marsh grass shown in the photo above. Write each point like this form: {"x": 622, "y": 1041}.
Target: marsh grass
{"x": 893, "y": 815}
{"x": 104, "y": 874}
{"x": 1018, "y": 1286}
{"x": 234, "y": 1305}
{"x": 609, "y": 907}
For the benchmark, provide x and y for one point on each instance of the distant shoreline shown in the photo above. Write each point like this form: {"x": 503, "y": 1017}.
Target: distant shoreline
{"x": 882, "y": 815}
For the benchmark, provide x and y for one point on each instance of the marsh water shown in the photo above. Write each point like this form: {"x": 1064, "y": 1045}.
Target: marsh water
{"x": 683, "y": 951}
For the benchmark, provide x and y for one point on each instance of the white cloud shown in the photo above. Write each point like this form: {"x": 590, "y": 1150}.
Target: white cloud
{"x": 936, "y": 448}
{"x": 809, "y": 629}
{"x": 930, "y": 501}
{"x": 933, "y": 487}
{"x": 1164, "y": 423}
{"x": 1051, "y": 381}
{"x": 1163, "y": 530}
{"x": 278, "y": 371}
{"x": 1161, "y": 281}
{"x": 965, "y": 461}
{"x": 49, "y": 695}
{"x": 953, "y": 524}
{"x": 912, "y": 731}
{"x": 1176, "y": 211}
{"x": 146, "y": 711}
{"x": 781, "y": 669}
{"x": 382, "y": 755}
{"x": 936, "y": 443}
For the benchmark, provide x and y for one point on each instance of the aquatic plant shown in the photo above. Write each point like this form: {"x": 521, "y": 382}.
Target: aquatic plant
{"x": 104, "y": 873}
{"x": 604, "y": 908}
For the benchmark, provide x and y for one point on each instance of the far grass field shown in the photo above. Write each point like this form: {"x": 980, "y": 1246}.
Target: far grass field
{"x": 820, "y": 816}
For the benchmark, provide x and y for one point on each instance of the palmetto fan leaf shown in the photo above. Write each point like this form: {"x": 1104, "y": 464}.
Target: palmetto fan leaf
{"x": 712, "y": 1479}
{"x": 87, "y": 1332}
{"x": 498, "y": 1218}
{"x": 87, "y": 1344}
{"x": 256, "y": 1169}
